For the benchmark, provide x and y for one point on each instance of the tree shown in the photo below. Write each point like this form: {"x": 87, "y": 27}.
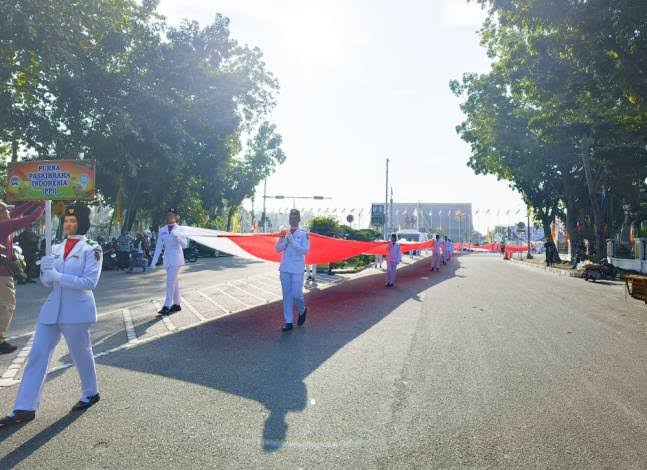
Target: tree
{"x": 163, "y": 109}
{"x": 582, "y": 105}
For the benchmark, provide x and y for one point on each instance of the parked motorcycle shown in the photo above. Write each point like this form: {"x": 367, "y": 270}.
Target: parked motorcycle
{"x": 110, "y": 260}
{"x": 604, "y": 270}
{"x": 191, "y": 254}
{"x": 203, "y": 251}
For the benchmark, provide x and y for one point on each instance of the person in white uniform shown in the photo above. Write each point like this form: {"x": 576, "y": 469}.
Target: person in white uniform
{"x": 393, "y": 258}
{"x": 437, "y": 254}
{"x": 72, "y": 271}
{"x": 445, "y": 246}
{"x": 173, "y": 242}
{"x": 294, "y": 245}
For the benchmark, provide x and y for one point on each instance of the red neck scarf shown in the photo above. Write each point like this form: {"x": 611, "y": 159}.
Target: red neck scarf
{"x": 69, "y": 244}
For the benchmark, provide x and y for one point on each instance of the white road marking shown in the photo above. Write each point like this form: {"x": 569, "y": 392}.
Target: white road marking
{"x": 193, "y": 310}
{"x": 234, "y": 298}
{"x": 273, "y": 294}
{"x": 128, "y": 323}
{"x": 249, "y": 293}
{"x": 8, "y": 378}
{"x": 213, "y": 301}
{"x": 167, "y": 321}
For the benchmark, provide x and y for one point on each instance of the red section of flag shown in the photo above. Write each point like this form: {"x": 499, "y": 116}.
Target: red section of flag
{"x": 322, "y": 249}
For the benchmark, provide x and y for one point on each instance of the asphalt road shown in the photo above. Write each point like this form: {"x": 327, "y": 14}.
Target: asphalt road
{"x": 118, "y": 289}
{"x": 483, "y": 365}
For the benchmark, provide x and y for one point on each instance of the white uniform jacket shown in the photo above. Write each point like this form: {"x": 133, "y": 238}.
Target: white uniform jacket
{"x": 393, "y": 253}
{"x": 71, "y": 299}
{"x": 173, "y": 243}
{"x": 295, "y": 247}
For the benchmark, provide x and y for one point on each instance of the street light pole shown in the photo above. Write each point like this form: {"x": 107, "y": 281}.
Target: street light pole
{"x": 294, "y": 200}
{"x": 528, "y": 256}
{"x": 386, "y": 197}
{"x": 391, "y": 217}
{"x": 449, "y": 228}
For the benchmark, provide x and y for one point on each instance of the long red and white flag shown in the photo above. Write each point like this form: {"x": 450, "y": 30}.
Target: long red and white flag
{"x": 261, "y": 246}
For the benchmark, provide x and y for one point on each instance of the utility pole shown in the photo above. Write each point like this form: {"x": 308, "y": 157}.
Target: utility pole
{"x": 252, "y": 229}
{"x": 431, "y": 220}
{"x": 449, "y": 223}
{"x": 469, "y": 227}
{"x": 460, "y": 225}
{"x": 386, "y": 197}
{"x": 264, "y": 217}
{"x": 528, "y": 256}
{"x": 392, "y": 227}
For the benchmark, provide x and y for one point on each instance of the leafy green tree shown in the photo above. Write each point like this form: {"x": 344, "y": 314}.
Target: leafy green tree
{"x": 161, "y": 108}
{"x": 327, "y": 226}
{"x": 582, "y": 106}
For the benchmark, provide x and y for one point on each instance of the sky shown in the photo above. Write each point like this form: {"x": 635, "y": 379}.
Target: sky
{"x": 362, "y": 81}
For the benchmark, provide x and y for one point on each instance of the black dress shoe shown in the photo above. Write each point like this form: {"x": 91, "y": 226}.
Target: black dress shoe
{"x": 164, "y": 311}
{"x": 6, "y": 348}
{"x": 287, "y": 327}
{"x": 175, "y": 308}
{"x": 19, "y": 416}
{"x": 302, "y": 317}
{"x": 84, "y": 405}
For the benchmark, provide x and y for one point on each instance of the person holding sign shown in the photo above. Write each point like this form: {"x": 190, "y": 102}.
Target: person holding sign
{"x": 170, "y": 239}
{"x": 72, "y": 271}
{"x": 10, "y": 221}
{"x": 294, "y": 244}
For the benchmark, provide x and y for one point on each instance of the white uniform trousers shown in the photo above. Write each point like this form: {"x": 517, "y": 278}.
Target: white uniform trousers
{"x": 435, "y": 261}
{"x": 292, "y": 287}
{"x": 77, "y": 337}
{"x": 391, "y": 269}
{"x": 172, "y": 286}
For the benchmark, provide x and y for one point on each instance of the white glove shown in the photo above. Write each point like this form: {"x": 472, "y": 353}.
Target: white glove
{"x": 177, "y": 232}
{"x": 51, "y": 276}
{"x": 47, "y": 263}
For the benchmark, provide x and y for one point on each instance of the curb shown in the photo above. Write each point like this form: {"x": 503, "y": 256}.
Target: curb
{"x": 555, "y": 271}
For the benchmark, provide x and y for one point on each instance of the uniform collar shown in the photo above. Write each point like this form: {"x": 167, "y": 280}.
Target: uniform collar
{"x": 77, "y": 247}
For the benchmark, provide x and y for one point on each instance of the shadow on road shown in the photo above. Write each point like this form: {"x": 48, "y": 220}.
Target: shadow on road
{"x": 23, "y": 451}
{"x": 246, "y": 355}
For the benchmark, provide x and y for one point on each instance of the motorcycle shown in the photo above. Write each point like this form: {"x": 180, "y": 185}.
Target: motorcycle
{"x": 203, "y": 251}
{"x": 110, "y": 260}
{"x": 191, "y": 254}
{"x": 596, "y": 272}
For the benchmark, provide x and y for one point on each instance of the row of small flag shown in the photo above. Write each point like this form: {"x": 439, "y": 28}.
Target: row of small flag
{"x": 321, "y": 211}
{"x": 457, "y": 212}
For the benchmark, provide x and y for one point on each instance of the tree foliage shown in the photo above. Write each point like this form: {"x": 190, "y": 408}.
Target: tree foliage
{"x": 162, "y": 108}
{"x": 562, "y": 112}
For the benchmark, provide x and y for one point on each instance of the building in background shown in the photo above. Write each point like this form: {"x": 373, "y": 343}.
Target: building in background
{"x": 445, "y": 218}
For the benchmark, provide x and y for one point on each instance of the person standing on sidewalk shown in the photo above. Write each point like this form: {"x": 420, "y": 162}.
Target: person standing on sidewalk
{"x": 28, "y": 241}
{"x": 72, "y": 271}
{"x": 124, "y": 247}
{"x": 9, "y": 223}
{"x": 294, "y": 244}
{"x": 170, "y": 239}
